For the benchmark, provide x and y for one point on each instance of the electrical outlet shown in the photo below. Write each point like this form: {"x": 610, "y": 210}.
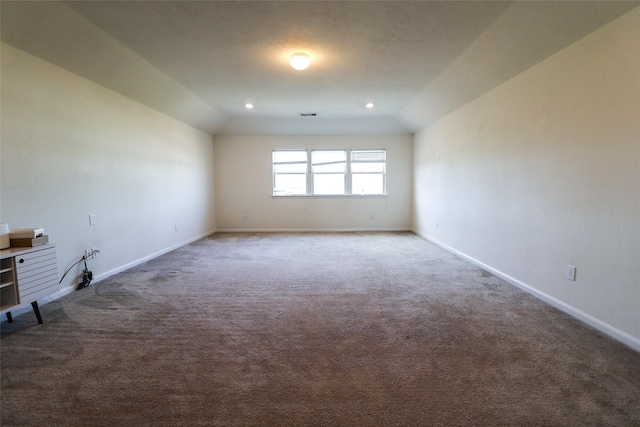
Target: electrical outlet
{"x": 91, "y": 253}
{"x": 571, "y": 273}
{"x": 245, "y": 217}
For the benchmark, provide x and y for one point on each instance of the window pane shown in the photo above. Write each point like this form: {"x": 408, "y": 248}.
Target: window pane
{"x": 282, "y": 156}
{"x": 290, "y": 168}
{"x": 326, "y": 156}
{"x": 330, "y": 168}
{"x": 367, "y": 167}
{"x": 290, "y": 185}
{"x": 367, "y": 183}
{"x": 328, "y": 184}
{"x": 289, "y": 172}
{"x": 368, "y": 155}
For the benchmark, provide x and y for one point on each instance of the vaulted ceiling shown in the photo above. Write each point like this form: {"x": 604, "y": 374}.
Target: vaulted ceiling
{"x": 202, "y": 61}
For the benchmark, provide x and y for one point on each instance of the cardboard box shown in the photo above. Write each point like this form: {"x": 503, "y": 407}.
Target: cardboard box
{"x": 29, "y": 243}
{"x": 26, "y": 233}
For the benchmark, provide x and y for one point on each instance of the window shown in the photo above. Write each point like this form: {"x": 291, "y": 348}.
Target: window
{"x": 290, "y": 173}
{"x": 368, "y": 171}
{"x": 329, "y": 172}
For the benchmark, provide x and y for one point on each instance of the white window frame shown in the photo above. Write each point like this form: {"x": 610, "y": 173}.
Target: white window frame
{"x": 373, "y": 156}
{"x": 348, "y": 174}
{"x": 312, "y": 175}
{"x": 273, "y": 173}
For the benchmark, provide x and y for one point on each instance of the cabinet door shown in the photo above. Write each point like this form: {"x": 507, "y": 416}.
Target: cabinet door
{"x": 37, "y": 274}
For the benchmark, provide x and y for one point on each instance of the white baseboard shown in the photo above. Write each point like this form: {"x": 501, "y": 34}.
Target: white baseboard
{"x": 596, "y": 323}
{"x": 139, "y": 261}
{"x": 23, "y": 308}
{"x": 311, "y": 230}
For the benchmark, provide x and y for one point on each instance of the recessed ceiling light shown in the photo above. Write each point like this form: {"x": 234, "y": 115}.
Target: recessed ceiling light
{"x": 300, "y": 61}
{"x": 248, "y": 106}
{"x": 369, "y": 105}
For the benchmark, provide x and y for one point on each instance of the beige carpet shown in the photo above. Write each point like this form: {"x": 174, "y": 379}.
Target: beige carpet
{"x": 354, "y": 329}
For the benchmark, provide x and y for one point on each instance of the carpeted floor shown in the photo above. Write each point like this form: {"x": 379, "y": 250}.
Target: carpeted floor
{"x": 352, "y": 329}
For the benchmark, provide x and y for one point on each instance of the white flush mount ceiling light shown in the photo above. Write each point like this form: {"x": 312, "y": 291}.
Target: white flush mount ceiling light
{"x": 248, "y": 106}
{"x": 300, "y": 61}
{"x": 369, "y": 105}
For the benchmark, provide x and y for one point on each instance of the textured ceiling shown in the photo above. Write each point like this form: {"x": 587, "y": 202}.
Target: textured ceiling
{"x": 201, "y": 61}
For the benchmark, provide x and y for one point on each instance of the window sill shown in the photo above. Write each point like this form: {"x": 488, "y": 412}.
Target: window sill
{"x": 331, "y": 196}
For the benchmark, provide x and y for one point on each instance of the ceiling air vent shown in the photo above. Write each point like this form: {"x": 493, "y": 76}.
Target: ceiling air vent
{"x": 308, "y": 114}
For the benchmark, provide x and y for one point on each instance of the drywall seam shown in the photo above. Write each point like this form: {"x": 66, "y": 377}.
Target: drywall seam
{"x": 601, "y": 326}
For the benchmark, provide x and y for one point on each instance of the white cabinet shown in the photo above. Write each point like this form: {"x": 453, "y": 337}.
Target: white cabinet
{"x": 28, "y": 274}
{"x": 8, "y": 286}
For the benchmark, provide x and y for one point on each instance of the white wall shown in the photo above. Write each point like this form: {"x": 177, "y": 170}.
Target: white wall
{"x": 544, "y": 171}
{"x": 244, "y": 186}
{"x": 71, "y": 148}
